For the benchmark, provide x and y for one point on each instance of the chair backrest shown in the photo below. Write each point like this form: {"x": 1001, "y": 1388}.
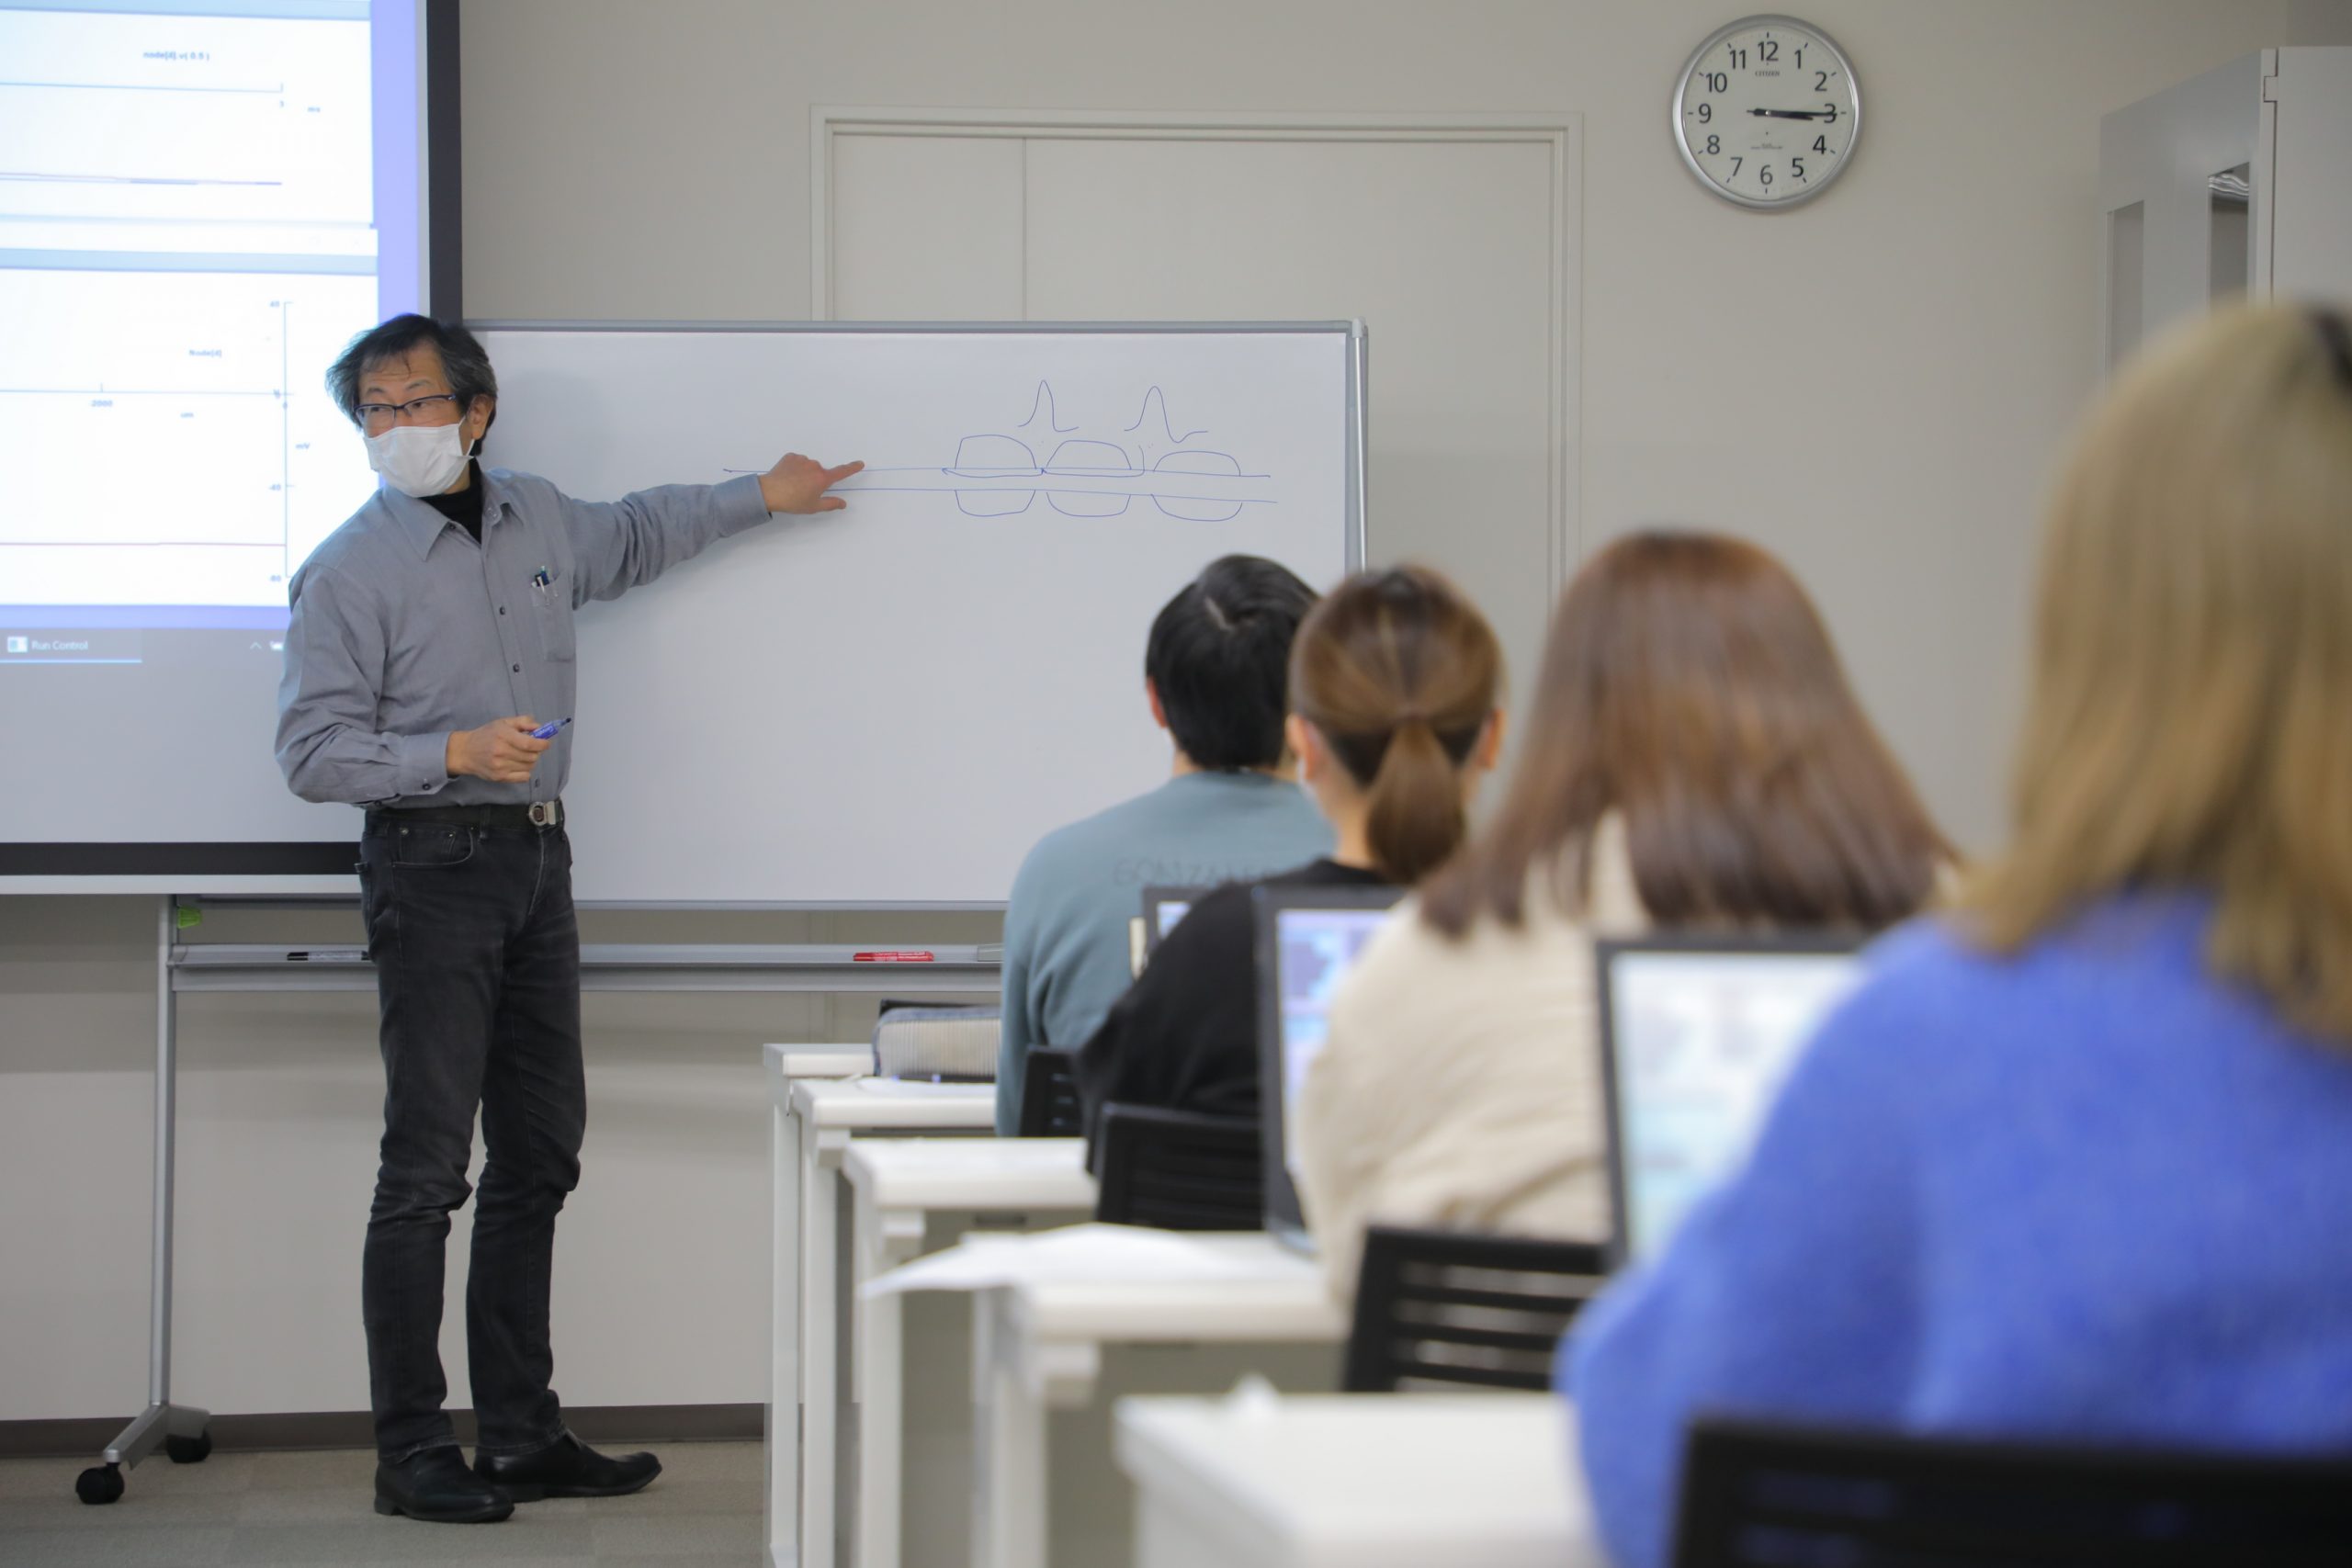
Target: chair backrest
{"x": 925, "y": 1040}
{"x": 1049, "y": 1104}
{"x": 1179, "y": 1170}
{"x": 1757, "y": 1493}
{"x": 1444, "y": 1309}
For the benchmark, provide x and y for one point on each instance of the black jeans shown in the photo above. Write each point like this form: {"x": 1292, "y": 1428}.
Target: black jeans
{"x": 476, "y": 954}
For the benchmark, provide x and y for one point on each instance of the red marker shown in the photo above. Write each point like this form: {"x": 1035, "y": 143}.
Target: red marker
{"x": 895, "y": 955}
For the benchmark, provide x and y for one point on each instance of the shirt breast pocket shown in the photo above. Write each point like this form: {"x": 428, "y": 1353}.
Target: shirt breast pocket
{"x": 559, "y": 639}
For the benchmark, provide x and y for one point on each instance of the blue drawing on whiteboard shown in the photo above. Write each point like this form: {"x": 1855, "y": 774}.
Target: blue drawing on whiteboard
{"x": 1044, "y": 403}
{"x": 998, "y": 474}
{"x": 1156, "y": 399}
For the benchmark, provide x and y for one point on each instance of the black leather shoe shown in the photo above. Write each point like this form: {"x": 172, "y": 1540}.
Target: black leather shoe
{"x": 437, "y": 1486}
{"x": 568, "y": 1468}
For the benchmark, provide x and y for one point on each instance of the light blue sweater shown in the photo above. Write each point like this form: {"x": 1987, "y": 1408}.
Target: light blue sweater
{"x": 2087, "y": 1192}
{"x": 1066, "y": 952}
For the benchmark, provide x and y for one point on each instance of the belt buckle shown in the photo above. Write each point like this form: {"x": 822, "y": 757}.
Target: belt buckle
{"x": 545, "y": 814}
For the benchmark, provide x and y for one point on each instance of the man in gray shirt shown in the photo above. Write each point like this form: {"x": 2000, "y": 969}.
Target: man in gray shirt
{"x": 430, "y": 665}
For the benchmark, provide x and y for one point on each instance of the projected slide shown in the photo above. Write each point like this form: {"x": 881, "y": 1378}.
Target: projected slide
{"x": 188, "y": 236}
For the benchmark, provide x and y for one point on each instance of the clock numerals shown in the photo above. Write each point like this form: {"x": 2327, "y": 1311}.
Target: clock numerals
{"x": 1746, "y": 124}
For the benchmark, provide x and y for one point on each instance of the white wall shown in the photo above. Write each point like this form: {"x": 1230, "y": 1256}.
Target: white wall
{"x": 1874, "y": 386}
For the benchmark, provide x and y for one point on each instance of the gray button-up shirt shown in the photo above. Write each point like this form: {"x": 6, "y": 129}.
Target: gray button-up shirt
{"x": 404, "y": 629}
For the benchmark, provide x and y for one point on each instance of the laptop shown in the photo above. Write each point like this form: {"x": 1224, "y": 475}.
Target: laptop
{"x": 1308, "y": 940}
{"x": 1162, "y": 907}
{"x": 1697, "y": 1034}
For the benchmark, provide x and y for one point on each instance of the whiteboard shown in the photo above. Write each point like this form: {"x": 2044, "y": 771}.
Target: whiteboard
{"x": 889, "y": 704}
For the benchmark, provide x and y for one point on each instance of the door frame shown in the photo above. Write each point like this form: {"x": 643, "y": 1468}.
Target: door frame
{"x": 1561, "y": 132}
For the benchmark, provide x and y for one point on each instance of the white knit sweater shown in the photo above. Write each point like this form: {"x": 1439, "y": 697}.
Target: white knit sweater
{"x": 1461, "y": 1086}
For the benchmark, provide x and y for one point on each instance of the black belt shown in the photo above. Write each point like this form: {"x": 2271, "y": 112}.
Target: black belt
{"x": 538, "y": 814}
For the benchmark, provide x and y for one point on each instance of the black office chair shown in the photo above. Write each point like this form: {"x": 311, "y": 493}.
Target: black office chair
{"x": 1755, "y": 1493}
{"x": 1049, "y": 1104}
{"x": 1444, "y": 1309}
{"x": 1179, "y": 1170}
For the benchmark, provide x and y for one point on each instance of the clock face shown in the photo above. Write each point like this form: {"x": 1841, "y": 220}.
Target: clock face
{"x": 1767, "y": 112}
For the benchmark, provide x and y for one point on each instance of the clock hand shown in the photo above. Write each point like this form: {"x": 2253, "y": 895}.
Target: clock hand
{"x": 1792, "y": 113}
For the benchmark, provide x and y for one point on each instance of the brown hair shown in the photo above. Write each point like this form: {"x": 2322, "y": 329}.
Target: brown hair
{"x": 1399, "y": 672}
{"x": 2190, "y": 725}
{"x": 1690, "y": 687}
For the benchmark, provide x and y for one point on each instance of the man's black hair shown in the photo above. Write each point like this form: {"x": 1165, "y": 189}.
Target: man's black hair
{"x": 1219, "y": 656}
{"x": 463, "y": 361}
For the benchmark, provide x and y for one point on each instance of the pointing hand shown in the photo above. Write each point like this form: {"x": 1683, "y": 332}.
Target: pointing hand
{"x": 799, "y": 484}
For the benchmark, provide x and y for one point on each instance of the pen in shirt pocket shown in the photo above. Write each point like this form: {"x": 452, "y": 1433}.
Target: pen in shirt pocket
{"x": 540, "y": 578}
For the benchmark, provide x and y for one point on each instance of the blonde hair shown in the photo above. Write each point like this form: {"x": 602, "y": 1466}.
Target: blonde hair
{"x": 2190, "y": 725}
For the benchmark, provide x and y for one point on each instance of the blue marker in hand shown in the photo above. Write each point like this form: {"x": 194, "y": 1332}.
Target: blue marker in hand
{"x": 550, "y": 729}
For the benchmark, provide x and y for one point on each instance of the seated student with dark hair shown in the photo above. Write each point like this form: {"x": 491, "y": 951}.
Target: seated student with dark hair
{"x": 1214, "y": 673}
{"x": 1394, "y": 683}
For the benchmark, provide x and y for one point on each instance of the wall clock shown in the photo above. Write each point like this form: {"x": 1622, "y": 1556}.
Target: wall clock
{"x": 1768, "y": 111}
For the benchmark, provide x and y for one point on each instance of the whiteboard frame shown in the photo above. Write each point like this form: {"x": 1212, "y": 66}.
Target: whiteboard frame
{"x": 1353, "y": 548}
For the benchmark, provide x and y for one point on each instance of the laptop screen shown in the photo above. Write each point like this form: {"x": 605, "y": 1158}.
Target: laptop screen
{"x": 1308, "y": 940}
{"x": 1696, "y": 1039}
{"x": 1162, "y": 907}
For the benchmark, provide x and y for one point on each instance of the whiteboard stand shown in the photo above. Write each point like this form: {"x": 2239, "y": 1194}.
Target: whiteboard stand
{"x": 180, "y": 1429}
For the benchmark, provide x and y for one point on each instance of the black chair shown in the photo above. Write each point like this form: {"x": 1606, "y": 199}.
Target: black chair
{"x": 1179, "y": 1170}
{"x": 1444, "y": 1309}
{"x": 1049, "y": 1105}
{"x": 1756, "y": 1493}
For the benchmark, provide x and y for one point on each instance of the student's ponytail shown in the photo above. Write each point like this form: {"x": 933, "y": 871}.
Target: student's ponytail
{"x": 1417, "y": 819}
{"x": 1399, "y": 674}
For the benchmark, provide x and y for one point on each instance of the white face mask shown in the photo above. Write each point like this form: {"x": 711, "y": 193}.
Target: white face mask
{"x": 419, "y": 459}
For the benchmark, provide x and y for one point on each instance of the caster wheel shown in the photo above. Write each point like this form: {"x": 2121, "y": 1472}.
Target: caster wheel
{"x": 190, "y": 1450}
{"x": 99, "y": 1484}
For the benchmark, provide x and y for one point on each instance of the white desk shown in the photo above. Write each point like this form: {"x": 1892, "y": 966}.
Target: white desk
{"x": 1357, "y": 1481}
{"x": 910, "y": 1370}
{"x": 1041, "y": 1347}
{"x": 814, "y": 1118}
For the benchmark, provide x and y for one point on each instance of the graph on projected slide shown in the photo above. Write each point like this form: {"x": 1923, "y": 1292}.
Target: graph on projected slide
{"x": 1080, "y": 471}
{"x": 187, "y": 239}
{"x": 208, "y": 392}
{"x": 117, "y": 118}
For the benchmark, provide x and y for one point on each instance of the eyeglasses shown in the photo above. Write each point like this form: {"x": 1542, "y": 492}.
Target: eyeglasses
{"x": 377, "y": 418}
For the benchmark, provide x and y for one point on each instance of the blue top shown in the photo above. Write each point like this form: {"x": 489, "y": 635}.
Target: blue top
{"x": 405, "y": 627}
{"x": 2087, "y": 1193}
{"x": 1066, "y": 952}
